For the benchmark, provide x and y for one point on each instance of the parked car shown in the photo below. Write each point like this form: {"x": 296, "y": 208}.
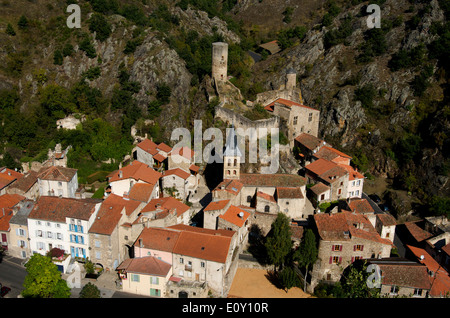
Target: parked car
{"x": 4, "y": 290}
{"x": 375, "y": 198}
{"x": 384, "y": 207}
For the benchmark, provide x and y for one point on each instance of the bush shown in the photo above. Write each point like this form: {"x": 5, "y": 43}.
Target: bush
{"x": 365, "y": 95}
{"x": 10, "y": 30}
{"x": 99, "y": 24}
{"x": 87, "y": 46}
{"x": 90, "y": 291}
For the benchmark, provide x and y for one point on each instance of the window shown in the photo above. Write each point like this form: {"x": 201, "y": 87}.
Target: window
{"x": 417, "y": 292}
{"x": 249, "y": 198}
{"x": 98, "y": 255}
{"x": 335, "y": 259}
{"x": 322, "y": 197}
{"x": 357, "y": 192}
{"x": 358, "y": 182}
{"x": 39, "y": 233}
{"x": 336, "y": 247}
{"x": 235, "y": 162}
{"x": 358, "y": 247}
{"x": 135, "y": 278}
{"x": 295, "y": 120}
{"x": 181, "y": 260}
{"x": 155, "y": 292}
{"x": 48, "y": 224}
{"x": 59, "y": 236}
{"x": 154, "y": 280}
{"x": 310, "y": 117}
{"x": 22, "y": 243}
{"x": 60, "y": 184}
{"x": 38, "y": 222}
{"x": 266, "y": 208}
{"x": 21, "y": 232}
{"x": 202, "y": 264}
{"x": 49, "y": 235}
{"x": 97, "y": 243}
{"x": 40, "y": 245}
{"x": 394, "y": 290}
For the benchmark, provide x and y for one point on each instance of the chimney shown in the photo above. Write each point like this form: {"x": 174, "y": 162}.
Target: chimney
{"x": 120, "y": 174}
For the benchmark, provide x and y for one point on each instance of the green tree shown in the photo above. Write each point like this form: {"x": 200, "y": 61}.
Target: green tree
{"x": 99, "y": 24}
{"x": 306, "y": 254}
{"x": 43, "y": 279}
{"x": 279, "y": 243}
{"x": 10, "y": 30}
{"x": 56, "y": 101}
{"x": 23, "y": 22}
{"x": 57, "y": 57}
{"x": 90, "y": 291}
{"x": 288, "y": 278}
{"x": 354, "y": 282}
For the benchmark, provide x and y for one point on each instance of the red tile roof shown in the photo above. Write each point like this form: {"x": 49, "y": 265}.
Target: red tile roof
{"x": 352, "y": 173}
{"x": 289, "y": 193}
{"x": 166, "y": 205}
{"x": 216, "y": 205}
{"x": 177, "y": 172}
{"x": 147, "y": 265}
{"x": 286, "y": 102}
{"x": 230, "y": 185}
{"x": 360, "y": 206}
{"x": 141, "y": 191}
{"x": 10, "y": 200}
{"x": 331, "y": 227}
{"x": 56, "y": 173}
{"x": 309, "y": 141}
{"x": 265, "y": 196}
{"x": 110, "y": 213}
{"x": 320, "y": 166}
{"x": 407, "y": 275}
{"x": 7, "y": 176}
{"x": 50, "y": 208}
{"x": 147, "y": 145}
{"x": 162, "y": 146}
{"x": 159, "y": 157}
{"x": 26, "y": 182}
{"x": 386, "y": 219}
{"x": 329, "y": 153}
{"x": 319, "y": 188}
{"x": 137, "y": 171}
{"x": 416, "y": 232}
{"x": 161, "y": 239}
{"x": 235, "y": 215}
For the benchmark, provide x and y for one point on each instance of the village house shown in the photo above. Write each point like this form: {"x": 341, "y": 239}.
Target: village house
{"x": 18, "y": 233}
{"x": 150, "y": 153}
{"x": 121, "y": 181}
{"x": 58, "y": 181}
{"x": 181, "y": 157}
{"x": 111, "y": 235}
{"x": 402, "y": 278}
{"x": 140, "y": 192}
{"x": 439, "y": 278}
{"x": 26, "y": 186}
{"x": 298, "y": 117}
{"x": 237, "y": 220}
{"x": 307, "y": 145}
{"x": 179, "y": 183}
{"x": 201, "y": 259}
{"x": 163, "y": 212}
{"x": 343, "y": 238}
{"x": 7, "y": 178}
{"x": 146, "y": 276}
{"x": 7, "y": 203}
{"x": 62, "y": 223}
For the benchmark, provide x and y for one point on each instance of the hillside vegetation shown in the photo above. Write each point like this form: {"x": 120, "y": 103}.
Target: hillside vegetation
{"x": 383, "y": 93}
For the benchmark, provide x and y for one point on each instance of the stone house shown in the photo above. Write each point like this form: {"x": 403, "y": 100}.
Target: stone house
{"x": 111, "y": 235}
{"x": 183, "y": 182}
{"x": 7, "y": 178}
{"x": 308, "y": 145}
{"x": 200, "y": 258}
{"x": 150, "y": 153}
{"x": 121, "y": 181}
{"x": 8, "y": 207}
{"x": 182, "y": 158}
{"x": 238, "y": 220}
{"x": 18, "y": 233}
{"x": 343, "y": 238}
{"x": 266, "y": 203}
{"x": 62, "y": 223}
{"x": 402, "y": 278}
{"x": 298, "y": 117}
{"x": 163, "y": 212}
{"x": 291, "y": 201}
{"x": 230, "y": 189}
{"x": 212, "y": 212}
{"x": 146, "y": 276}
{"x": 26, "y": 186}
{"x": 58, "y": 181}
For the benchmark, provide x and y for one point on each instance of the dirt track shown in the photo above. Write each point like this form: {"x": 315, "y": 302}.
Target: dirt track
{"x": 253, "y": 283}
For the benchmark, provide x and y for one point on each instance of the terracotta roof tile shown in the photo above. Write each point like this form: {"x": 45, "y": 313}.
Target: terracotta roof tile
{"x": 309, "y": 141}
{"x": 386, "y": 219}
{"x": 165, "y": 205}
{"x": 288, "y": 103}
{"x": 418, "y": 233}
{"x": 410, "y": 275}
{"x": 235, "y": 215}
{"x": 289, "y": 193}
{"x": 230, "y": 185}
{"x": 147, "y": 145}
{"x": 147, "y": 265}
{"x": 216, "y": 205}
{"x": 50, "y": 208}
{"x": 161, "y": 239}
{"x": 141, "y": 191}
{"x": 26, "y": 182}
{"x": 320, "y": 166}
{"x": 319, "y": 188}
{"x": 159, "y": 157}
{"x": 360, "y": 206}
{"x": 183, "y": 151}
{"x": 57, "y": 173}
{"x": 162, "y": 146}
{"x": 110, "y": 213}
{"x": 329, "y": 153}
{"x": 137, "y": 171}
{"x": 265, "y": 196}
{"x": 178, "y": 172}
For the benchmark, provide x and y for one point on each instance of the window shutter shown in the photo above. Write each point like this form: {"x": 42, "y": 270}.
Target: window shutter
{"x": 340, "y": 247}
{"x": 331, "y": 259}
{"x": 353, "y": 259}
{"x": 340, "y": 259}
{"x": 332, "y": 247}
{"x": 362, "y": 248}
{"x": 354, "y": 247}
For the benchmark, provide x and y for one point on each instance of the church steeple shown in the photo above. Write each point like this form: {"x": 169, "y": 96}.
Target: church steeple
{"x": 231, "y": 156}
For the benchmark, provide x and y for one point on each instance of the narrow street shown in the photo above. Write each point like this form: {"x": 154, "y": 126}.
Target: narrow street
{"x": 12, "y": 275}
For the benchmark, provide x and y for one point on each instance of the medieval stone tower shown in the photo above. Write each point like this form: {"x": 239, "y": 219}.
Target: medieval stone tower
{"x": 219, "y": 61}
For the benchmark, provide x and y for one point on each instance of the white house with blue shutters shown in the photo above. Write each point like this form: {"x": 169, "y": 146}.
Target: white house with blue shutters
{"x": 62, "y": 223}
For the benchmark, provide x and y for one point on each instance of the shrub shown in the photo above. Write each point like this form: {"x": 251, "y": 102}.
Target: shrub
{"x": 90, "y": 291}
{"x": 57, "y": 57}
{"x": 10, "y": 30}
{"x": 87, "y": 47}
{"x": 99, "y": 24}
{"x": 22, "y": 23}
{"x": 365, "y": 95}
